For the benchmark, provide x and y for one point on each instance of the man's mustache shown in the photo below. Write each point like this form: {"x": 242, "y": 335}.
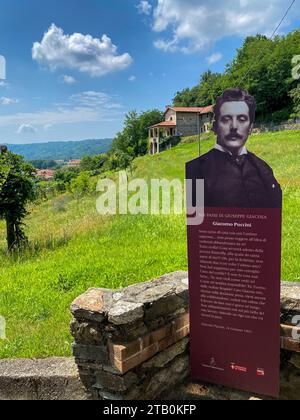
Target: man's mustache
{"x": 234, "y": 136}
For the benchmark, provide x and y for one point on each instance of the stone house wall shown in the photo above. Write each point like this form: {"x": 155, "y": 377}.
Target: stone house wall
{"x": 171, "y": 115}
{"x": 188, "y": 123}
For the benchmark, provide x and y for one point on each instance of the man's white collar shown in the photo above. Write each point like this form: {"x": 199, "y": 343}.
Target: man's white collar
{"x": 243, "y": 151}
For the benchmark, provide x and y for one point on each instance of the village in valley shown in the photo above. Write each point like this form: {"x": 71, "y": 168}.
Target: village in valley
{"x": 48, "y": 174}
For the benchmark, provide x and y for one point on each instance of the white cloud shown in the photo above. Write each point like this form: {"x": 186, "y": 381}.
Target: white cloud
{"x": 94, "y": 56}
{"x": 68, "y": 80}
{"x": 192, "y": 25}
{"x": 26, "y": 129}
{"x": 93, "y": 99}
{"x": 8, "y": 101}
{"x": 144, "y": 7}
{"x": 3, "y": 83}
{"x": 83, "y": 107}
{"x": 132, "y": 79}
{"x": 47, "y": 127}
{"x": 214, "y": 58}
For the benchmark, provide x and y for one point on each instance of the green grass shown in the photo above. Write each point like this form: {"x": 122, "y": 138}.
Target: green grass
{"x": 72, "y": 248}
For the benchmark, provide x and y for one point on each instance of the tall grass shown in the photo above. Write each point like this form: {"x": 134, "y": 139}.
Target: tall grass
{"x": 73, "y": 248}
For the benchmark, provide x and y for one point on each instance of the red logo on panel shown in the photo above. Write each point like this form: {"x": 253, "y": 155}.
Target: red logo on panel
{"x": 260, "y": 372}
{"x": 238, "y": 368}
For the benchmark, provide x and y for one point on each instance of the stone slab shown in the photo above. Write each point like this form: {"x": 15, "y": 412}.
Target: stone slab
{"x": 44, "y": 379}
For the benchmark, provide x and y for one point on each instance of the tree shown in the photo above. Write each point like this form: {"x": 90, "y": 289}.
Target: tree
{"x": 133, "y": 140}
{"x": 120, "y": 160}
{"x": 93, "y": 163}
{"x": 209, "y": 88}
{"x": 295, "y": 95}
{"x": 147, "y": 119}
{"x": 83, "y": 185}
{"x": 44, "y": 164}
{"x": 66, "y": 174}
{"x": 263, "y": 66}
{"x": 16, "y": 190}
{"x": 186, "y": 97}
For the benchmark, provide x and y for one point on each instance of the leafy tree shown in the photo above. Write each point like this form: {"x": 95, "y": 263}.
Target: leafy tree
{"x": 83, "y": 185}
{"x": 133, "y": 131}
{"x": 295, "y": 95}
{"x": 133, "y": 140}
{"x": 120, "y": 160}
{"x": 263, "y": 66}
{"x": 93, "y": 163}
{"x": 147, "y": 119}
{"x": 66, "y": 174}
{"x": 210, "y": 86}
{"x": 87, "y": 164}
{"x": 44, "y": 164}
{"x": 187, "y": 97}
{"x": 17, "y": 182}
{"x": 49, "y": 189}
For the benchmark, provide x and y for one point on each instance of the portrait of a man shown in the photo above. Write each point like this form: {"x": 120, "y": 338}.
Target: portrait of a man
{"x": 233, "y": 176}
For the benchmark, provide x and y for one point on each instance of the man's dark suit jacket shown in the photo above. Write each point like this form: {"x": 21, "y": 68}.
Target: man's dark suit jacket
{"x": 248, "y": 182}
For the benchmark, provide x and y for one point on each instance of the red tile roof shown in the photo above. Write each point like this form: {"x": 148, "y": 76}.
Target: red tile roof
{"x": 207, "y": 109}
{"x": 74, "y": 162}
{"x": 45, "y": 173}
{"x": 201, "y": 110}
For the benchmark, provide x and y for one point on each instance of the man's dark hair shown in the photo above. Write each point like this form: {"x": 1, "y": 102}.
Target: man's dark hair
{"x": 235, "y": 95}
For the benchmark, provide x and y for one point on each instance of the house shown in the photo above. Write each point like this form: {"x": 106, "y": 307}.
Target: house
{"x": 74, "y": 163}
{"x": 178, "y": 122}
{"x": 46, "y": 174}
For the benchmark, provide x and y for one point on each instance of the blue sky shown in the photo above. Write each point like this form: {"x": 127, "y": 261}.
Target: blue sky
{"x": 75, "y": 67}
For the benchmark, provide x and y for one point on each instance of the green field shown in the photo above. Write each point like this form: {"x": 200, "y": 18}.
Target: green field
{"x": 72, "y": 248}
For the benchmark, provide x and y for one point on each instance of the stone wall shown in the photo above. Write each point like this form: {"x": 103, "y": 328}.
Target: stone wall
{"x": 133, "y": 343}
{"x": 262, "y": 128}
{"x": 188, "y": 123}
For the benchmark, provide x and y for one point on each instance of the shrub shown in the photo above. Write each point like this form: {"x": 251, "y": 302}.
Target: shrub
{"x": 83, "y": 185}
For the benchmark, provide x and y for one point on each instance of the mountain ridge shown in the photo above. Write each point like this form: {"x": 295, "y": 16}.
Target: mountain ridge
{"x": 61, "y": 150}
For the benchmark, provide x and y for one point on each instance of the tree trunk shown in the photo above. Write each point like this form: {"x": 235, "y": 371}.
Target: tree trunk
{"x": 11, "y": 234}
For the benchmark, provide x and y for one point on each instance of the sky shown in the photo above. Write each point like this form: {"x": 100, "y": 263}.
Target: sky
{"x": 74, "y": 68}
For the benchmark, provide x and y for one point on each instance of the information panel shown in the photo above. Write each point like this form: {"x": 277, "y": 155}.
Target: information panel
{"x": 234, "y": 271}
{"x": 234, "y": 216}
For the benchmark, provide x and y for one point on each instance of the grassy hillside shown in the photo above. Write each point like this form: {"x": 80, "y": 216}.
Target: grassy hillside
{"x": 73, "y": 248}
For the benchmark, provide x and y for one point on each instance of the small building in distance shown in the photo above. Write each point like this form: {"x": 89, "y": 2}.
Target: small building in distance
{"x": 46, "y": 174}
{"x": 179, "y": 122}
{"x": 74, "y": 163}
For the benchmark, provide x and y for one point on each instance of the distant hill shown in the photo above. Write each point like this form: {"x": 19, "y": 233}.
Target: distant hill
{"x": 62, "y": 150}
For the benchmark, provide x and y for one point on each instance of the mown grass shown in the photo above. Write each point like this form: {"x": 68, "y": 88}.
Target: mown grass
{"x": 73, "y": 248}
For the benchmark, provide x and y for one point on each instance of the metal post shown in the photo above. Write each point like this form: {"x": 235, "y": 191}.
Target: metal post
{"x": 199, "y": 134}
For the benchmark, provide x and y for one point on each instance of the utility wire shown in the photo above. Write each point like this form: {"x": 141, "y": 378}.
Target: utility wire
{"x": 259, "y": 57}
{"x": 272, "y": 36}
